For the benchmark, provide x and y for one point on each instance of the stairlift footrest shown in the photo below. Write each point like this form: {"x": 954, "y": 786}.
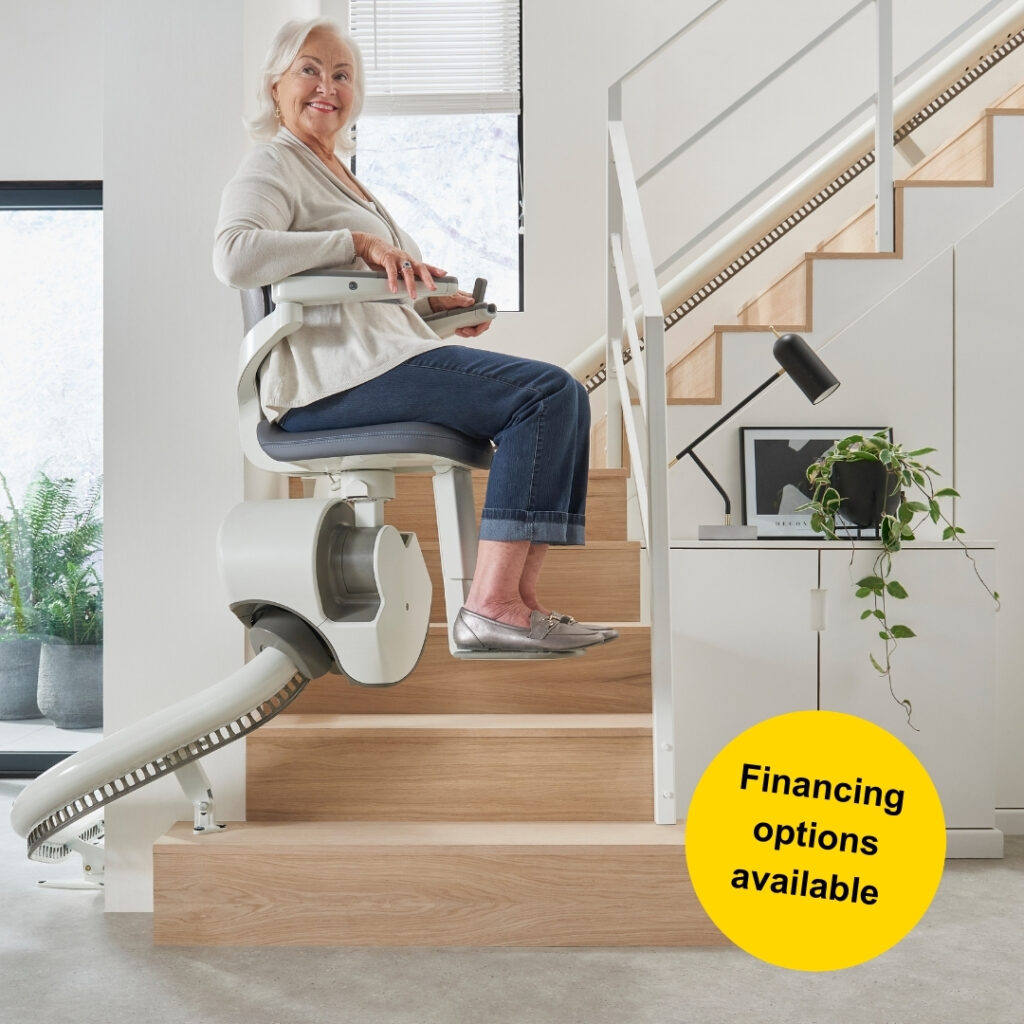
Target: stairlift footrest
{"x": 515, "y": 655}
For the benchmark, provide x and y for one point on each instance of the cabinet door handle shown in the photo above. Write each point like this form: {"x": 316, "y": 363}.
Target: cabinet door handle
{"x": 819, "y": 610}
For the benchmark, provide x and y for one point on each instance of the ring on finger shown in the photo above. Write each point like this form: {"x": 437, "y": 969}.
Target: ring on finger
{"x": 406, "y": 264}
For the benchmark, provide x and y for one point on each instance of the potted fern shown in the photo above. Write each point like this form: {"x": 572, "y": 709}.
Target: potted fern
{"x": 901, "y": 494}
{"x": 22, "y": 621}
{"x": 51, "y": 598}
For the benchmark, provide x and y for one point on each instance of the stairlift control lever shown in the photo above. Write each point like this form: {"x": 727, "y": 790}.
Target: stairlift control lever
{"x": 448, "y": 321}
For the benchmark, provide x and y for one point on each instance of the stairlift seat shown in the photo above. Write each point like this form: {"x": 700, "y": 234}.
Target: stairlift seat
{"x": 427, "y": 439}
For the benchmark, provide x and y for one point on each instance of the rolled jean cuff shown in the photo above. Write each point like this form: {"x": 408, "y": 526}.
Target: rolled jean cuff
{"x": 537, "y": 527}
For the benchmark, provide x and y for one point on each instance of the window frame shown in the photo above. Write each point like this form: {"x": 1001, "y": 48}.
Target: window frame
{"x": 43, "y": 195}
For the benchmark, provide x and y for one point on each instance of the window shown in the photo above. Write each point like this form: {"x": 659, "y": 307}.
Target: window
{"x": 439, "y": 139}
{"x": 51, "y": 385}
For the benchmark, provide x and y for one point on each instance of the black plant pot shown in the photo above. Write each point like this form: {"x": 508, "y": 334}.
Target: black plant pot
{"x": 868, "y": 489}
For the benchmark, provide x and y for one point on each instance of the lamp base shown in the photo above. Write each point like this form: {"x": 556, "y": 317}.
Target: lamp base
{"x": 726, "y": 532}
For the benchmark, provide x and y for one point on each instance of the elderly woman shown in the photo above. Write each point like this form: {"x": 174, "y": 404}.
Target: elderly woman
{"x": 295, "y": 206}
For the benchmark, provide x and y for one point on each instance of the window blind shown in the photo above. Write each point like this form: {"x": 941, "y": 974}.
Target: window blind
{"x": 438, "y": 57}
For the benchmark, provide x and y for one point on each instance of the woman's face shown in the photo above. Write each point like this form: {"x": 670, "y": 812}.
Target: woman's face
{"x": 315, "y": 94}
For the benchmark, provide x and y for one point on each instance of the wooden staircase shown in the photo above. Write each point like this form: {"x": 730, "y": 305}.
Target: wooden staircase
{"x": 474, "y": 804}
{"x": 965, "y": 161}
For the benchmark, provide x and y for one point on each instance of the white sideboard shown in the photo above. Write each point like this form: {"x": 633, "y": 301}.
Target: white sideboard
{"x": 761, "y": 628}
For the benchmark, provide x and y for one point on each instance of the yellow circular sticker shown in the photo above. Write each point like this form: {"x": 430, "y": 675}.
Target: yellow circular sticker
{"x": 815, "y": 840}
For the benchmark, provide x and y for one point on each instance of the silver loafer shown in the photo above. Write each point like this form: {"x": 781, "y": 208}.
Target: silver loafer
{"x": 607, "y": 633}
{"x": 474, "y": 632}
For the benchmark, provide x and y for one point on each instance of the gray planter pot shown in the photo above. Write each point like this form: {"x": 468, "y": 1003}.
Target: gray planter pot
{"x": 71, "y": 685}
{"x": 19, "y": 677}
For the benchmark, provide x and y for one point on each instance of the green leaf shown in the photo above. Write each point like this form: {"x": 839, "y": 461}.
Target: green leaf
{"x": 905, "y": 513}
{"x": 921, "y": 451}
{"x": 895, "y": 589}
{"x": 951, "y": 531}
{"x": 867, "y": 611}
{"x": 947, "y": 492}
{"x": 934, "y": 511}
{"x": 883, "y": 634}
{"x": 879, "y": 614}
{"x": 916, "y": 506}
{"x": 919, "y": 479}
{"x": 890, "y": 532}
{"x": 872, "y": 583}
{"x": 878, "y": 668}
{"x": 902, "y": 632}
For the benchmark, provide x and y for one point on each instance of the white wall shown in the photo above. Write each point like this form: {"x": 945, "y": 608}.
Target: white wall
{"x": 51, "y": 78}
{"x": 173, "y": 136}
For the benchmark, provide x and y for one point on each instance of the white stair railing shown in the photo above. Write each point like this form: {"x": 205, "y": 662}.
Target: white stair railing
{"x": 624, "y": 210}
{"x": 627, "y": 234}
{"x": 920, "y": 94}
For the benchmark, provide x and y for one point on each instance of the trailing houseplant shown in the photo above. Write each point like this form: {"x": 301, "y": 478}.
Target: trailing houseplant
{"x": 908, "y": 498}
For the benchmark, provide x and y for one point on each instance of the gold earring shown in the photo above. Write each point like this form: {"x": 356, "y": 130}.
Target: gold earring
{"x": 277, "y": 112}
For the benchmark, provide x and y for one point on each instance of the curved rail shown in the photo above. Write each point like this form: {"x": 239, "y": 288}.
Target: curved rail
{"x": 66, "y": 802}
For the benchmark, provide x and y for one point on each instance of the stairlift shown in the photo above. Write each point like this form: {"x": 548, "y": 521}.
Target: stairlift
{"x": 323, "y": 584}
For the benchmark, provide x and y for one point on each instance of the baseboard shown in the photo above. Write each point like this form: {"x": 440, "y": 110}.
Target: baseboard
{"x": 963, "y": 843}
{"x": 1010, "y": 820}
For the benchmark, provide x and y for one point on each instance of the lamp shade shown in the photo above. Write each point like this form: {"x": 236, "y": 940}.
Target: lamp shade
{"x": 801, "y": 362}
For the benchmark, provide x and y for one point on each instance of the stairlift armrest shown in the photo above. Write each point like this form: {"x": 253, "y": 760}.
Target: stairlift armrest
{"x": 328, "y": 287}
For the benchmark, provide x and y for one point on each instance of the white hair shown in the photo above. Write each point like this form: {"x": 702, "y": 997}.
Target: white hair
{"x": 283, "y": 51}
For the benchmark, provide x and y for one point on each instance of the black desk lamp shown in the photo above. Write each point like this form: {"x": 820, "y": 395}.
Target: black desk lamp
{"x": 810, "y": 375}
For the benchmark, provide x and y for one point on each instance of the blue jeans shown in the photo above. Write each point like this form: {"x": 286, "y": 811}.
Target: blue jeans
{"x": 536, "y": 414}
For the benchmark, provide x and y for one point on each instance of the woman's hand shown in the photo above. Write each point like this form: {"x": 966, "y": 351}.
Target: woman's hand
{"x": 382, "y": 255}
{"x": 439, "y": 303}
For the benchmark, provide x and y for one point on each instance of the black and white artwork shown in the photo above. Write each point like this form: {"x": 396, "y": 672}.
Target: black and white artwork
{"x": 775, "y": 462}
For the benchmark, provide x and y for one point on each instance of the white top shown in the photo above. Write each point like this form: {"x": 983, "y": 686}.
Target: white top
{"x": 284, "y": 212}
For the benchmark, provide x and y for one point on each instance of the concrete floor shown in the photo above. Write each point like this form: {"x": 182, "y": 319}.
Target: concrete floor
{"x": 62, "y": 957}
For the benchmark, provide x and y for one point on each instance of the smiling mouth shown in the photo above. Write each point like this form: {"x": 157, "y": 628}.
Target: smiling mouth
{"x": 326, "y": 107}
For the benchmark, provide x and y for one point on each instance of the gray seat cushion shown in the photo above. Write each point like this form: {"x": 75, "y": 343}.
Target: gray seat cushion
{"x": 378, "y": 439}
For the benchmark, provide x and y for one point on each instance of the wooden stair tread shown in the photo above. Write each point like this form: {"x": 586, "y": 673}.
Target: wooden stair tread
{"x": 364, "y": 883}
{"x": 467, "y": 725}
{"x": 1011, "y": 100}
{"x": 597, "y": 582}
{"x": 610, "y": 678}
{"x": 964, "y": 160}
{"x": 413, "y": 509}
{"x": 536, "y": 834}
{"x": 567, "y": 550}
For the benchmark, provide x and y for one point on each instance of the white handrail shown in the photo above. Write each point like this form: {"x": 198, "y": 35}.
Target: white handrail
{"x": 652, "y": 483}
{"x": 885, "y": 207}
{"x": 853, "y": 147}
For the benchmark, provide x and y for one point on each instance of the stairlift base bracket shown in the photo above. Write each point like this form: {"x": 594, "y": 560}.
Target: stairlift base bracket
{"x": 93, "y": 865}
{"x": 197, "y": 787}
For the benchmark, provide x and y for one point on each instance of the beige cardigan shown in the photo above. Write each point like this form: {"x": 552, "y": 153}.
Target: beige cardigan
{"x": 284, "y": 212}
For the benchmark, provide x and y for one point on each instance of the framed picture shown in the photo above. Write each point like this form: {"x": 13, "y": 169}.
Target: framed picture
{"x": 774, "y": 464}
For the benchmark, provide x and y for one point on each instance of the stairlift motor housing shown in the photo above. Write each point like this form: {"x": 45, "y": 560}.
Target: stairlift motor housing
{"x": 364, "y": 590}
